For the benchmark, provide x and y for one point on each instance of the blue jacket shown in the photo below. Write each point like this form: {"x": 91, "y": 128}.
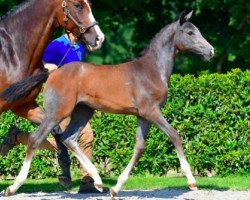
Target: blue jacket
{"x": 56, "y": 50}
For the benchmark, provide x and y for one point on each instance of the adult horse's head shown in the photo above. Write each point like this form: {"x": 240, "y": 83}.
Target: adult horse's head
{"x": 76, "y": 16}
{"x": 189, "y": 38}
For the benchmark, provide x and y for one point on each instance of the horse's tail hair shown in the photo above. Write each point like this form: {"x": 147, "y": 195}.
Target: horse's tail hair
{"x": 24, "y": 87}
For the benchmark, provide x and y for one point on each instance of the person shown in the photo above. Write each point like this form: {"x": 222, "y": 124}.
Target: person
{"x": 60, "y": 51}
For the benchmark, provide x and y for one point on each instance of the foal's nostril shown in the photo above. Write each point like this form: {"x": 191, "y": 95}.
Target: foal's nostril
{"x": 98, "y": 39}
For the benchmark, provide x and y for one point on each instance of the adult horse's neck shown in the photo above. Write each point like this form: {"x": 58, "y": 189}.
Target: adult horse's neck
{"x": 25, "y": 33}
{"x": 161, "y": 52}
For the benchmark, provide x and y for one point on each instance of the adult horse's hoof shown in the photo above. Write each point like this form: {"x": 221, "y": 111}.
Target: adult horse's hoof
{"x": 99, "y": 187}
{"x": 7, "y": 192}
{"x": 192, "y": 186}
{"x": 113, "y": 193}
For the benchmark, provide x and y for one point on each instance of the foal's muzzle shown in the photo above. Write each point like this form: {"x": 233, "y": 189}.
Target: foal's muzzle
{"x": 209, "y": 54}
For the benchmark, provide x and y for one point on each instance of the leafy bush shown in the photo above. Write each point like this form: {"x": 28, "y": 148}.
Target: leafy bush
{"x": 210, "y": 112}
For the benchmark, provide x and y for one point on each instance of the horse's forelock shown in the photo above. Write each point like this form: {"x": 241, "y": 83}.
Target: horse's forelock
{"x": 189, "y": 25}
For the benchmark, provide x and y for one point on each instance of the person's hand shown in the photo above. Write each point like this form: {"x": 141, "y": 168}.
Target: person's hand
{"x": 50, "y": 66}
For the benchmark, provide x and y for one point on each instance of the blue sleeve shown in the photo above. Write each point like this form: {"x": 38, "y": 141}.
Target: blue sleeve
{"x": 56, "y": 50}
{"x": 51, "y": 53}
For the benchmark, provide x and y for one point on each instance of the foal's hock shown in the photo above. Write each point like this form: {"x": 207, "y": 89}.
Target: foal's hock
{"x": 138, "y": 87}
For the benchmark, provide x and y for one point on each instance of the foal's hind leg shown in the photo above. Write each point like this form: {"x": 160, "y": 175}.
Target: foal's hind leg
{"x": 34, "y": 141}
{"x": 157, "y": 118}
{"x": 34, "y": 113}
{"x": 140, "y": 140}
{"x": 79, "y": 118}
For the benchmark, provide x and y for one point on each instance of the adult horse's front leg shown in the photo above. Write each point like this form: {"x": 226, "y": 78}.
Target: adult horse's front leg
{"x": 34, "y": 141}
{"x": 140, "y": 140}
{"x": 157, "y": 118}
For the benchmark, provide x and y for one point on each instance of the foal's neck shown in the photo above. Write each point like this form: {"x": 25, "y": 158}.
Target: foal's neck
{"x": 162, "y": 51}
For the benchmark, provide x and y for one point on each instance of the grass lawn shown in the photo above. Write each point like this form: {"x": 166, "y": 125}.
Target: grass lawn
{"x": 140, "y": 182}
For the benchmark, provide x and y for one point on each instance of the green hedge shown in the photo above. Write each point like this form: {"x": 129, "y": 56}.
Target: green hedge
{"x": 210, "y": 112}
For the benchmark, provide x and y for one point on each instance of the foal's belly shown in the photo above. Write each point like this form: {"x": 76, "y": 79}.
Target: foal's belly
{"x": 109, "y": 105}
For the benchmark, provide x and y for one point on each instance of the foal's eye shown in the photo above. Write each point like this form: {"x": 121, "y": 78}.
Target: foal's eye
{"x": 78, "y": 6}
{"x": 190, "y": 32}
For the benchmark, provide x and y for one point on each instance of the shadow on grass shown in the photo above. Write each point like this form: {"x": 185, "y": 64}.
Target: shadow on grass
{"x": 50, "y": 186}
{"x": 35, "y": 187}
{"x": 54, "y": 189}
{"x": 54, "y": 186}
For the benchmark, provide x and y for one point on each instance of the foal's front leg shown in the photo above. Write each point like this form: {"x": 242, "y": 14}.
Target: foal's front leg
{"x": 157, "y": 118}
{"x": 79, "y": 118}
{"x": 141, "y": 136}
{"x": 34, "y": 141}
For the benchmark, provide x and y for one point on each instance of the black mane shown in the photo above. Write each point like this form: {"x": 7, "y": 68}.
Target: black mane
{"x": 145, "y": 50}
{"x": 147, "y": 47}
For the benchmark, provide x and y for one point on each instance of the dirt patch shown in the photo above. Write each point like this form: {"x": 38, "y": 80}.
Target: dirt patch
{"x": 166, "y": 194}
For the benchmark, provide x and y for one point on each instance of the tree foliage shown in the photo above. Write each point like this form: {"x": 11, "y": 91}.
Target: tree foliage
{"x": 226, "y": 25}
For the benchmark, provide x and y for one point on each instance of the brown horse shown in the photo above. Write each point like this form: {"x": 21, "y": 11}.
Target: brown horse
{"x": 138, "y": 87}
{"x": 25, "y": 32}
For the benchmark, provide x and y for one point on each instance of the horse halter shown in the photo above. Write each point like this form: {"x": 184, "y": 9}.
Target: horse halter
{"x": 68, "y": 16}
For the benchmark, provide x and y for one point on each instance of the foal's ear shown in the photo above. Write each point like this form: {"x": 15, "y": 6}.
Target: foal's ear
{"x": 184, "y": 18}
{"x": 189, "y": 15}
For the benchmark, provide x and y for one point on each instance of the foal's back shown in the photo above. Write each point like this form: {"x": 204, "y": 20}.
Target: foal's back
{"x": 104, "y": 87}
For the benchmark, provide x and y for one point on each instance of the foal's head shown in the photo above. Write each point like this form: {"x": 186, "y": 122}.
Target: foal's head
{"x": 76, "y": 16}
{"x": 189, "y": 38}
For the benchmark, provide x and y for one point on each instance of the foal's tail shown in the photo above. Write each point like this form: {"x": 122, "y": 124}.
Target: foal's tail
{"x": 24, "y": 87}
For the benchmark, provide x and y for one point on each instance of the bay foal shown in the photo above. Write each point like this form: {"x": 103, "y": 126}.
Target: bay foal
{"x": 138, "y": 87}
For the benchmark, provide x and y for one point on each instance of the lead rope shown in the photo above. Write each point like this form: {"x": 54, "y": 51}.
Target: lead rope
{"x": 71, "y": 46}
{"x": 65, "y": 55}
{"x": 46, "y": 70}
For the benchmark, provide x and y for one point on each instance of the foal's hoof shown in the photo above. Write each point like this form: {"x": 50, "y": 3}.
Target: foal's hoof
{"x": 113, "y": 193}
{"x": 192, "y": 186}
{"x": 99, "y": 187}
{"x": 7, "y": 192}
